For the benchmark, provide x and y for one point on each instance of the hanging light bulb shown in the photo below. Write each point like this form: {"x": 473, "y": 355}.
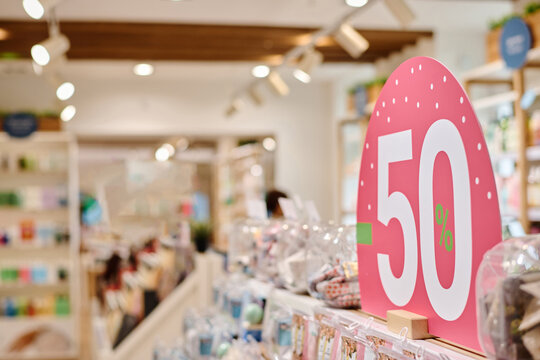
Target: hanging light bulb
{"x": 68, "y": 113}
{"x": 277, "y": 84}
{"x": 350, "y": 40}
{"x": 356, "y": 3}
{"x": 37, "y": 8}
{"x": 162, "y": 154}
{"x": 260, "y": 71}
{"x": 169, "y": 148}
{"x": 309, "y": 61}
{"x": 50, "y": 49}
{"x": 65, "y": 90}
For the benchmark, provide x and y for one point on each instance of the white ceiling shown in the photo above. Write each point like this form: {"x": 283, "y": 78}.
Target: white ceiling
{"x": 431, "y": 14}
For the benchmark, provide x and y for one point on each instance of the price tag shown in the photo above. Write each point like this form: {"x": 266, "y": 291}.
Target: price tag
{"x": 288, "y": 208}
{"x": 311, "y": 210}
{"x": 256, "y": 209}
{"x": 427, "y": 202}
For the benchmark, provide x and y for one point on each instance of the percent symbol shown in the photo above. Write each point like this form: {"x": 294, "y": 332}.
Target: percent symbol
{"x": 446, "y": 235}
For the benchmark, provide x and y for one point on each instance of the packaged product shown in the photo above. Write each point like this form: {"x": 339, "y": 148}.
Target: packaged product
{"x": 508, "y": 296}
{"x": 291, "y": 253}
{"x": 332, "y": 266}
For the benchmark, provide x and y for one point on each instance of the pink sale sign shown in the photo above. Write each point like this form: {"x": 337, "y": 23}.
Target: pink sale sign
{"x": 427, "y": 202}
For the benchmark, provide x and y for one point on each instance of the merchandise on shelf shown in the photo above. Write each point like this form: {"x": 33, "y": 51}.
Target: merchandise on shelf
{"x": 34, "y": 197}
{"x": 22, "y": 306}
{"x": 34, "y": 233}
{"x": 508, "y": 295}
{"x": 332, "y": 266}
{"x": 32, "y": 272}
{"x": 291, "y": 256}
{"x": 30, "y": 161}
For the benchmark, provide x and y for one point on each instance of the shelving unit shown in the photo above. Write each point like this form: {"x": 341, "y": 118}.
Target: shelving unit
{"x": 496, "y": 74}
{"x": 351, "y": 135}
{"x": 59, "y": 169}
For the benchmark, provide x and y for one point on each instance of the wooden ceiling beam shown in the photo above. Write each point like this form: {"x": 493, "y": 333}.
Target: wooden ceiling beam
{"x": 189, "y": 42}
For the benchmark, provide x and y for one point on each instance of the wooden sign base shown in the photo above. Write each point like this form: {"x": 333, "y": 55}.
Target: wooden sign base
{"x": 417, "y": 325}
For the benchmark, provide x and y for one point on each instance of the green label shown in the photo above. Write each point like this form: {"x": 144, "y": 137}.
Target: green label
{"x": 363, "y": 233}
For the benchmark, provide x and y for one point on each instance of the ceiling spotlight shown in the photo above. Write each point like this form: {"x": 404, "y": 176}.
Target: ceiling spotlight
{"x": 350, "y": 40}
{"x": 356, "y": 3}
{"x": 311, "y": 59}
{"x": 401, "y": 11}
{"x": 235, "y": 106}
{"x": 260, "y": 71}
{"x": 38, "y": 69}
{"x": 65, "y": 90}
{"x": 169, "y": 148}
{"x": 162, "y": 154}
{"x": 37, "y": 8}
{"x": 255, "y": 95}
{"x": 50, "y": 49}
{"x": 68, "y": 113}
{"x": 143, "y": 69}
{"x": 256, "y": 170}
{"x": 182, "y": 144}
{"x": 277, "y": 84}
{"x": 269, "y": 144}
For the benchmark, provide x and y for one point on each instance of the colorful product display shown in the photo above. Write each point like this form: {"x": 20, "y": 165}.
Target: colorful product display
{"x": 35, "y": 197}
{"x": 21, "y": 306}
{"x": 332, "y": 268}
{"x": 29, "y": 272}
{"x": 34, "y": 233}
{"x": 28, "y": 161}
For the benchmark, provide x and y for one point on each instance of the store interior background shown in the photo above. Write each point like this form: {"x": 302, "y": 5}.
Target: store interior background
{"x": 191, "y": 98}
{"x": 124, "y": 116}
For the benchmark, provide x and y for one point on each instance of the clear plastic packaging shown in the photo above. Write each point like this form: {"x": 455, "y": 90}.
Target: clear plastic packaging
{"x": 244, "y": 237}
{"x": 267, "y": 252}
{"x": 508, "y": 295}
{"x": 332, "y": 266}
{"x": 291, "y": 252}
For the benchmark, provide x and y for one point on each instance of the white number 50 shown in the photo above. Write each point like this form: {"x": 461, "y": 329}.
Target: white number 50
{"x": 442, "y": 136}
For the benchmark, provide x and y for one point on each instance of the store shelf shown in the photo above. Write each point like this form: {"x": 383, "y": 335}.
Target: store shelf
{"x": 11, "y": 215}
{"x": 28, "y": 251}
{"x": 494, "y": 100}
{"x": 11, "y": 179}
{"x": 534, "y": 213}
{"x": 533, "y": 153}
{"x": 33, "y": 289}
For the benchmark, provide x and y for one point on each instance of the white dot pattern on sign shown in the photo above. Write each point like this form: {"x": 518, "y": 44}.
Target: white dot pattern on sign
{"x": 412, "y": 70}
{"x": 367, "y": 145}
{"x": 383, "y": 104}
{"x": 463, "y": 119}
{"x": 388, "y": 119}
{"x": 489, "y": 195}
{"x": 461, "y": 100}
{"x": 444, "y": 78}
{"x": 393, "y": 100}
{"x": 436, "y": 105}
{"x": 362, "y": 183}
{"x": 479, "y": 146}
{"x": 377, "y": 112}
{"x": 418, "y": 104}
{"x": 369, "y": 206}
{"x": 371, "y": 166}
{"x": 431, "y": 86}
{"x": 406, "y": 99}
{"x": 397, "y": 82}
{"x": 476, "y": 181}
{"x": 420, "y": 67}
